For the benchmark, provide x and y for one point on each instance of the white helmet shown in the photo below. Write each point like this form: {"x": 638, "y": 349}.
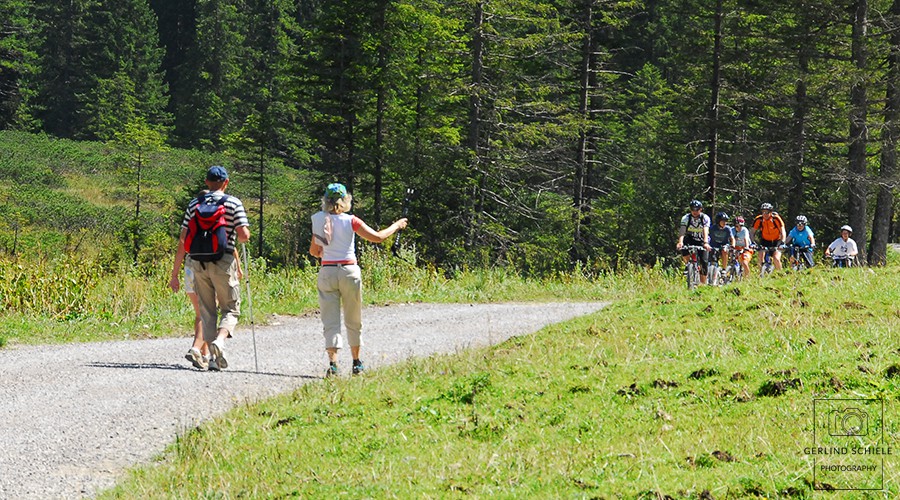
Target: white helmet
{"x": 847, "y": 228}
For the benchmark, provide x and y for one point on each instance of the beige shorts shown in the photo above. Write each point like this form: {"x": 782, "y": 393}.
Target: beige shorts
{"x": 188, "y": 280}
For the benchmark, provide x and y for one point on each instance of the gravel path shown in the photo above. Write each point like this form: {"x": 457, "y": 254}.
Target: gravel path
{"x": 74, "y": 417}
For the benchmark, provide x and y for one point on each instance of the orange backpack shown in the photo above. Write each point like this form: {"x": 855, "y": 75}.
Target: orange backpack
{"x": 771, "y": 229}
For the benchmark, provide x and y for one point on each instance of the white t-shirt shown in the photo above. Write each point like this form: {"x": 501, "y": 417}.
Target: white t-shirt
{"x": 842, "y": 249}
{"x": 341, "y": 247}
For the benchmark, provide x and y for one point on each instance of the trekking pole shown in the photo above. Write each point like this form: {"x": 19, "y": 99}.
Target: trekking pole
{"x": 395, "y": 247}
{"x": 250, "y": 304}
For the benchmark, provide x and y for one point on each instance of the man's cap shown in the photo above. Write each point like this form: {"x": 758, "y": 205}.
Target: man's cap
{"x": 216, "y": 174}
{"x": 335, "y": 191}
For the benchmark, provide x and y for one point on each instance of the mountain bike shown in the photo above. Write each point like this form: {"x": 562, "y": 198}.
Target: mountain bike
{"x": 692, "y": 268}
{"x": 800, "y": 259}
{"x": 715, "y": 274}
{"x": 768, "y": 260}
{"x": 848, "y": 261}
{"x": 734, "y": 272}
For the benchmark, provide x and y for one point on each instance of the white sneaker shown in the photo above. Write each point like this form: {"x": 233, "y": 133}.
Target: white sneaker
{"x": 199, "y": 361}
{"x": 216, "y": 351}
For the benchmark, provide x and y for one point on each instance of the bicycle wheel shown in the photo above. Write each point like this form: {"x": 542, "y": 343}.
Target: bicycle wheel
{"x": 712, "y": 275}
{"x": 692, "y": 273}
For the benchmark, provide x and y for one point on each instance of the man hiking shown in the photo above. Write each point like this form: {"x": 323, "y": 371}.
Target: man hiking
{"x": 212, "y": 225}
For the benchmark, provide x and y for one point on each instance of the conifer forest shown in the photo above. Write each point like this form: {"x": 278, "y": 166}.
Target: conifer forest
{"x": 538, "y": 134}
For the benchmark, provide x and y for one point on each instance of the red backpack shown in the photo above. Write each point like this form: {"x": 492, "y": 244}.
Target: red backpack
{"x": 207, "y": 236}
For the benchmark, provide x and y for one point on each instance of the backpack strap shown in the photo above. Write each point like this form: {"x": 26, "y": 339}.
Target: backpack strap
{"x": 777, "y": 221}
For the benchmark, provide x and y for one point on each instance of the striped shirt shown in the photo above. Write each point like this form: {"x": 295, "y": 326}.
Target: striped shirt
{"x": 235, "y": 215}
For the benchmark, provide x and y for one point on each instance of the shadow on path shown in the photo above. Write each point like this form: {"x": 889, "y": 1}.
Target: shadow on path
{"x": 164, "y": 366}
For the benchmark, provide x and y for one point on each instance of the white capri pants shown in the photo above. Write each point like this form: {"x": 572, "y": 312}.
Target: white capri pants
{"x": 340, "y": 285}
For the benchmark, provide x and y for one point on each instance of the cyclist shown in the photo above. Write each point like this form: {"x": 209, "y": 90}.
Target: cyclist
{"x": 720, "y": 235}
{"x": 769, "y": 230}
{"x": 801, "y": 236}
{"x": 742, "y": 244}
{"x": 694, "y": 231}
{"x": 844, "y": 248}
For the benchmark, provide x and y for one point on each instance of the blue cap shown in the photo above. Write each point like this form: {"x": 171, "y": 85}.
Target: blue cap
{"x": 335, "y": 191}
{"x": 216, "y": 174}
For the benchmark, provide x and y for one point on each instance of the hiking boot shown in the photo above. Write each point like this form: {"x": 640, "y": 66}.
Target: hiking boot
{"x": 332, "y": 371}
{"x": 216, "y": 350}
{"x": 198, "y": 360}
{"x": 358, "y": 367}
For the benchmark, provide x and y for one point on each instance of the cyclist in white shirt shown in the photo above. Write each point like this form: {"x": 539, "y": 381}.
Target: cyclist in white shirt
{"x": 694, "y": 231}
{"x": 843, "y": 250}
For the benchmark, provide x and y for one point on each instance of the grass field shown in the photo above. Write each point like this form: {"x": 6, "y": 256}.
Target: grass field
{"x": 665, "y": 393}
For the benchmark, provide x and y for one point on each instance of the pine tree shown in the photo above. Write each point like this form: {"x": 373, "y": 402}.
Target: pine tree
{"x": 17, "y": 63}
{"x": 213, "y": 74}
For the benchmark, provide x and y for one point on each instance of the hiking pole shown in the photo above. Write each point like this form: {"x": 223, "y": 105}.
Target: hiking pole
{"x": 250, "y": 304}
{"x": 395, "y": 246}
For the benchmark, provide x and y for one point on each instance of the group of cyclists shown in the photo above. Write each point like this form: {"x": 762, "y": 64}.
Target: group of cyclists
{"x": 718, "y": 240}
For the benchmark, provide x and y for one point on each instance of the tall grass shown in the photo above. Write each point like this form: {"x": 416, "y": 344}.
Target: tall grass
{"x": 665, "y": 393}
{"x": 93, "y": 298}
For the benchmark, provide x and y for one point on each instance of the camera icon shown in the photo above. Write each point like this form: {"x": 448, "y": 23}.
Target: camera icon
{"x": 848, "y": 422}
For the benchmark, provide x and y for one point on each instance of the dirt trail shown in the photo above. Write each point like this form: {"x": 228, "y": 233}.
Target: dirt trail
{"x": 74, "y": 417}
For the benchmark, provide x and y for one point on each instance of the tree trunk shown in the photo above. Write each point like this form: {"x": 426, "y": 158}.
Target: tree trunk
{"x": 379, "y": 109}
{"x": 858, "y": 188}
{"x": 801, "y": 110}
{"x": 577, "y": 253}
{"x": 884, "y": 205}
{"x": 475, "y": 118}
{"x": 262, "y": 195}
{"x": 713, "y": 159}
{"x": 137, "y": 209}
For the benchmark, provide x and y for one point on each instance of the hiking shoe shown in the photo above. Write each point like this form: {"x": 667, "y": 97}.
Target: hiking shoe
{"x": 198, "y": 360}
{"x": 216, "y": 350}
{"x": 213, "y": 365}
{"x": 358, "y": 367}
{"x": 332, "y": 371}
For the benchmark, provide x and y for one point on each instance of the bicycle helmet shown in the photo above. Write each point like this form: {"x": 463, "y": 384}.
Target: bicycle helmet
{"x": 740, "y": 220}
{"x": 801, "y": 219}
{"x": 765, "y": 206}
{"x": 847, "y": 228}
{"x": 720, "y": 216}
{"x": 696, "y": 204}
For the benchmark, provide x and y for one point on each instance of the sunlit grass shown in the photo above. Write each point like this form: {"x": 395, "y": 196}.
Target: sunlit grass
{"x": 665, "y": 392}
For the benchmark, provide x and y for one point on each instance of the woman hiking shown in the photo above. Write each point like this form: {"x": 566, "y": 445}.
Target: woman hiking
{"x": 339, "y": 281}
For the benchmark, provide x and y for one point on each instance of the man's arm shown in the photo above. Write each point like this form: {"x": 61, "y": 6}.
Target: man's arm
{"x": 243, "y": 234}
{"x": 174, "y": 282}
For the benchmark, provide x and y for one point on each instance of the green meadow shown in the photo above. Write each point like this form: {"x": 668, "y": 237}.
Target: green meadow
{"x": 663, "y": 394}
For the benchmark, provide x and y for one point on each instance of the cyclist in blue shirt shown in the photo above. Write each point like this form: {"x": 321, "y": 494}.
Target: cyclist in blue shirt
{"x": 801, "y": 241}
{"x": 720, "y": 236}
